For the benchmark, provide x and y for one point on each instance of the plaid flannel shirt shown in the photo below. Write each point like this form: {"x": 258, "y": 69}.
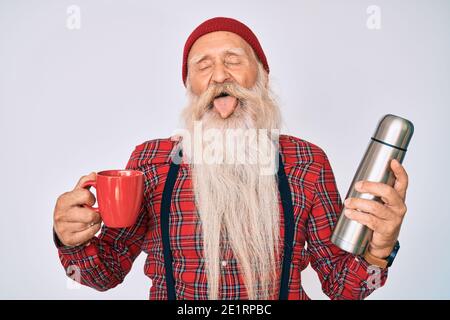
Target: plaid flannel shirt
{"x": 106, "y": 260}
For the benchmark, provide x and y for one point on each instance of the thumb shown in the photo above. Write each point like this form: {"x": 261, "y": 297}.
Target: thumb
{"x": 90, "y": 177}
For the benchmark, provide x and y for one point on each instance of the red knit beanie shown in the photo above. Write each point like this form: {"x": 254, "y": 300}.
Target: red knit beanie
{"x": 223, "y": 24}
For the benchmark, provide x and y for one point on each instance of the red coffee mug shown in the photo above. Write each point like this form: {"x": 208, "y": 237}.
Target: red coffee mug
{"x": 119, "y": 196}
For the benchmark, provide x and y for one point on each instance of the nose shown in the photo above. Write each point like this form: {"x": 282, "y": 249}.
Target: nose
{"x": 220, "y": 74}
{"x": 224, "y": 106}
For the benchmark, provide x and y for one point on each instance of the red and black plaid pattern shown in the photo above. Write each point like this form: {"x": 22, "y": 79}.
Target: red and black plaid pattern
{"x": 105, "y": 262}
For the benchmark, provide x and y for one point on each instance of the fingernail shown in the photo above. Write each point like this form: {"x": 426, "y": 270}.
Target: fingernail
{"x": 347, "y": 212}
{"x": 347, "y": 202}
{"x": 358, "y": 185}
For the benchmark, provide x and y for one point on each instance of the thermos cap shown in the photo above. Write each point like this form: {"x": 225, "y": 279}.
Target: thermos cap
{"x": 395, "y": 131}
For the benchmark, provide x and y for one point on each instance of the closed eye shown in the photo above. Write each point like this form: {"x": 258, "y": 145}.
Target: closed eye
{"x": 233, "y": 60}
{"x": 204, "y": 65}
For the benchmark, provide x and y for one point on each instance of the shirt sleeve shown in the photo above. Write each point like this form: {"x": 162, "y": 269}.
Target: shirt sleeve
{"x": 105, "y": 261}
{"x": 342, "y": 274}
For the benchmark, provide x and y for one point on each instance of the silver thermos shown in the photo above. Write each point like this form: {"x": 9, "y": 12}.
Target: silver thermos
{"x": 390, "y": 141}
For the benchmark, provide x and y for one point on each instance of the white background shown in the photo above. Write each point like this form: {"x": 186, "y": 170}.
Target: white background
{"x": 76, "y": 101}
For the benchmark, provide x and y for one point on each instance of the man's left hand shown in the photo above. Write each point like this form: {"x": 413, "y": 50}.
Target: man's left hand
{"x": 385, "y": 219}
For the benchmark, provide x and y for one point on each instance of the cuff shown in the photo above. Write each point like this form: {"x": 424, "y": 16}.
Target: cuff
{"x": 364, "y": 269}
{"x": 65, "y": 249}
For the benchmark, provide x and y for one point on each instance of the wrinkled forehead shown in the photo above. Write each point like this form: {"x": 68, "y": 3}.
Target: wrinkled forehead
{"x": 223, "y": 53}
{"x": 219, "y": 43}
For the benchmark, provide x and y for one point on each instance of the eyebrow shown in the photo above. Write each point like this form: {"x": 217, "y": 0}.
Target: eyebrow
{"x": 234, "y": 51}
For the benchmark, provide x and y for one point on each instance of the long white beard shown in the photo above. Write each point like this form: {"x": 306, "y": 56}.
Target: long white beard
{"x": 237, "y": 202}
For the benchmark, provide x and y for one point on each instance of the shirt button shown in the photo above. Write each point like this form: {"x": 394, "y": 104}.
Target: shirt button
{"x": 224, "y": 263}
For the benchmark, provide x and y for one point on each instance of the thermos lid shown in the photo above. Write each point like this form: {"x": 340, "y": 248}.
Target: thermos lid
{"x": 395, "y": 131}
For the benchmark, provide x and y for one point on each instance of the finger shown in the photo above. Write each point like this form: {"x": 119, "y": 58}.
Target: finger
{"x": 73, "y": 227}
{"x": 82, "y": 215}
{"x": 83, "y": 197}
{"x": 372, "y": 222}
{"x": 388, "y": 194}
{"x": 76, "y": 198}
{"x": 401, "y": 178}
{"x": 369, "y": 206}
{"x": 79, "y": 238}
{"x": 91, "y": 176}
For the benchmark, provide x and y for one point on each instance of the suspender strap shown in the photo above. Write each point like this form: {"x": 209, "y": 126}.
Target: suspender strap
{"x": 165, "y": 214}
{"x": 288, "y": 212}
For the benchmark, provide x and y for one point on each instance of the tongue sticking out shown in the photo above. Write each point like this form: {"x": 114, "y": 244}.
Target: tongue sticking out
{"x": 225, "y": 105}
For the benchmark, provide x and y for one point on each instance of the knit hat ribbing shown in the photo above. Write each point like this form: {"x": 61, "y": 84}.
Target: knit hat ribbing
{"x": 223, "y": 24}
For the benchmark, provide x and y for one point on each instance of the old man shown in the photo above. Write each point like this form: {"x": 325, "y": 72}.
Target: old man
{"x": 214, "y": 227}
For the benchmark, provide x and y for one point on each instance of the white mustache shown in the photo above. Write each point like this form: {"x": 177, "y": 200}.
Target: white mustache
{"x": 230, "y": 88}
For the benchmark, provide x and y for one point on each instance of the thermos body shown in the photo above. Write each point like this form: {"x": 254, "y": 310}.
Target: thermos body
{"x": 390, "y": 141}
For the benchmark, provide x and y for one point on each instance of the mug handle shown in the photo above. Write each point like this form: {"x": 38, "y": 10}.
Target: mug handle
{"x": 88, "y": 184}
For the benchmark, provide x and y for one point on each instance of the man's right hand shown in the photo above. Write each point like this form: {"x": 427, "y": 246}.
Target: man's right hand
{"x": 73, "y": 223}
